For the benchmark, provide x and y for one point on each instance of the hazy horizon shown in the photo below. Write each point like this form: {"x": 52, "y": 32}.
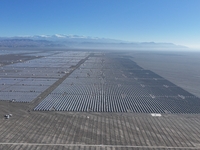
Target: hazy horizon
{"x": 172, "y": 21}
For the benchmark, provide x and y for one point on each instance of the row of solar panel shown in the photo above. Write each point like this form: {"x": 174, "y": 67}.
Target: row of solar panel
{"x": 115, "y": 104}
{"x": 19, "y": 96}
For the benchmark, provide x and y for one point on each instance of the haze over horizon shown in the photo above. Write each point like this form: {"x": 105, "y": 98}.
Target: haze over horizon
{"x": 172, "y": 21}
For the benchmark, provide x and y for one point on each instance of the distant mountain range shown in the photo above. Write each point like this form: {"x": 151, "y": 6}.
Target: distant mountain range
{"x": 75, "y": 41}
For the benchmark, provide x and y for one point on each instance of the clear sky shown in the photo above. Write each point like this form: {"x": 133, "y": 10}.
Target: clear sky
{"x": 176, "y": 21}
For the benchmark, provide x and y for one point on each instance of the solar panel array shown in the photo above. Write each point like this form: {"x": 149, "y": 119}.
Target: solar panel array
{"x": 25, "y": 81}
{"x": 46, "y": 67}
{"x": 109, "y": 84}
{"x": 23, "y": 89}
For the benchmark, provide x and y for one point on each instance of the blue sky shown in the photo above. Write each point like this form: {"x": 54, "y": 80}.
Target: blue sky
{"x": 175, "y": 21}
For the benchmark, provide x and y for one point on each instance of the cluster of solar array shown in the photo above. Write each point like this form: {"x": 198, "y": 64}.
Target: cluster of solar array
{"x": 107, "y": 84}
{"x": 23, "y": 89}
{"x": 49, "y": 66}
{"x": 25, "y": 81}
